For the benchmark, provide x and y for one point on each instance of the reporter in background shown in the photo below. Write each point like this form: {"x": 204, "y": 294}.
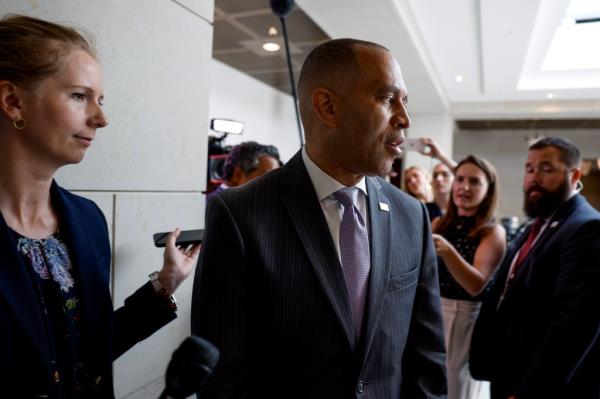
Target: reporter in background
{"x": 442, "y": 178}
{"x": 417, "y": 183}
{"x": 247, "y": 161}
{"x": 59, "y": 334}
{"x": 470, "y": 245}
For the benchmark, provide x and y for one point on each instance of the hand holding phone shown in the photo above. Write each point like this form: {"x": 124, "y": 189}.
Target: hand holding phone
{"x": 180, "y": 257}
{"x": 186, "y": 237}
{"x": 415, "y": 145}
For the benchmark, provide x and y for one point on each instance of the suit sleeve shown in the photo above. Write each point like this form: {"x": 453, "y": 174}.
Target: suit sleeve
{"x": 424, "y": 361}
{"x": 575, "y": 324}
{"x": 143, "y": 313}
{"x": 220, "y": 304}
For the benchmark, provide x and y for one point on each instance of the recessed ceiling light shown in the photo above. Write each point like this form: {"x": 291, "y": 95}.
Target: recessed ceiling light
{"x": 272, "y": 31}
{"x": 458, "y": 78}
{"x": 550, "y": 96}
{"x": 270, "y": 46}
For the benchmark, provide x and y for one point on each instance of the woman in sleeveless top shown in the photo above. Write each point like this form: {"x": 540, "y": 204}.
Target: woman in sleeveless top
{"x": 470, "y": 246}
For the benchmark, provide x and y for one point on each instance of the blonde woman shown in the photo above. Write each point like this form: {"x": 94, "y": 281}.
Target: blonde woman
{"x": 59, "y": 334}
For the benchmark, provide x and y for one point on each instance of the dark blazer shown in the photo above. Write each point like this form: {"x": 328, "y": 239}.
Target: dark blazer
{"x": 543, "y": 339}
{"x": 270, "y": 293}
{"x": 26, "y": 358}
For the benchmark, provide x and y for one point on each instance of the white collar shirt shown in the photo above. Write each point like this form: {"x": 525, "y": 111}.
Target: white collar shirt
{"x": 325, "y": 186}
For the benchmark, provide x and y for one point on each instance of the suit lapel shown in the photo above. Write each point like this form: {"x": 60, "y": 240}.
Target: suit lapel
{"x": 502, "y": 274}
{"x": 553, "y": 225}
{"x": 300, "y": 199}
{"x": 88, "y": 273}
{"x": 20, "y": 294}
{"x": 380, "y": 237}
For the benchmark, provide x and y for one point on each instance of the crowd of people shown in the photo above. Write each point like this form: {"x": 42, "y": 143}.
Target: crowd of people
{"x": 318, "y": 279}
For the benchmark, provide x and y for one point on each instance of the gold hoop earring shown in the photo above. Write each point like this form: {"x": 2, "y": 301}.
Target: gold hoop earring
{"x": 20, "y": 124}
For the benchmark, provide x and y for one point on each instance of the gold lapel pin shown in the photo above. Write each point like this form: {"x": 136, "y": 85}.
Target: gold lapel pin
{"x": 384, "y": 207}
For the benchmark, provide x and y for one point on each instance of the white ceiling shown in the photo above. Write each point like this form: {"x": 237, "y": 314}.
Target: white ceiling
{"x": 488, "y": 42}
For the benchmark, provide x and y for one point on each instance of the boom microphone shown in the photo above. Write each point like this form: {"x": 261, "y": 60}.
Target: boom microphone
{"x": 192, "y": 363}
{"x": 281, "y": 8}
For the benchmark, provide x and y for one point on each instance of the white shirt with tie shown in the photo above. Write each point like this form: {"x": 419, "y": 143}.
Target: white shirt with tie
{"x": 325, "y": 186}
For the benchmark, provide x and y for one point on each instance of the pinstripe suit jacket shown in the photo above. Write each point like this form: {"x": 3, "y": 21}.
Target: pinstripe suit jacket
{"x": 270, "y": 293}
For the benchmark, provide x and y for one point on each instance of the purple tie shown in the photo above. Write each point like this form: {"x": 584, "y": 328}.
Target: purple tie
{"x": 354, "y": 250}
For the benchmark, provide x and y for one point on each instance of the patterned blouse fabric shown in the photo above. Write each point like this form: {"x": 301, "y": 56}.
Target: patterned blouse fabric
{"x": 51, "y": 272}
{"x": 457, "y": 234}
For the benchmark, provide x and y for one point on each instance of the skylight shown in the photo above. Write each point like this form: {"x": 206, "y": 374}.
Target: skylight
{"x": 563, "y": 48}
{"x": 575, "y": 43}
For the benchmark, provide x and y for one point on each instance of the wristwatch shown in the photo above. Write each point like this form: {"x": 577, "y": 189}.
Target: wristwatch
{"x": 160, "y": 291}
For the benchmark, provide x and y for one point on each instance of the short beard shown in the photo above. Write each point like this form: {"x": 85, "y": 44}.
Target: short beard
{"x": 548, "y": 202}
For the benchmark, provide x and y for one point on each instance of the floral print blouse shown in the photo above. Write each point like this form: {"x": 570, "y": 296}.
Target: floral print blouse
{"x": 52, "y": 276}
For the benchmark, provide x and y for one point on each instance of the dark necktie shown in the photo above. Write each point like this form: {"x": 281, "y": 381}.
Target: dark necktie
{"x": 354, "y": 251}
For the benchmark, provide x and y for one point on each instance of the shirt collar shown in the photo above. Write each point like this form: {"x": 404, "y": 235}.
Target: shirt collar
{"x": 324, "y": 184}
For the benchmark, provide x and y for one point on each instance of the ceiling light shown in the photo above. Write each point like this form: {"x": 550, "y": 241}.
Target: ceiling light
{"x": 270, "y": 46}
{"x": 458, "y": 78}
{"x": 550, "y": 96}
{"x": 567, "y": 21}
{"x": 272, "y": 31}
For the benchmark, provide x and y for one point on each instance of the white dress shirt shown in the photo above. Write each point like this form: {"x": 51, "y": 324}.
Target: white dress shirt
{"x": 325, "y": 187}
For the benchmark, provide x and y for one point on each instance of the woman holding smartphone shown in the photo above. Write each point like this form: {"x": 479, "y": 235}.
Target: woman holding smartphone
{"x": 470, "y": 246}
{"x": 59, "y": 333}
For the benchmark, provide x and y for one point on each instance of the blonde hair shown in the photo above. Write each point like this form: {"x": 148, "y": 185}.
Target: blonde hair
{"x": 428, "y": 190}
{"x": 32, "y": 49}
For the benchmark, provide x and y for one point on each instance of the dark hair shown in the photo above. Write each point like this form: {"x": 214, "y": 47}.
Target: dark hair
{"x": 569, "y": 154}
{"x": 484, "y": 216}
{"x": 329, "y": 63}
{"x": 246, "y": 156}
{"x": 273, "y": 152}
{"x": 329, "y": 58}
{"x": 32, "y": 49}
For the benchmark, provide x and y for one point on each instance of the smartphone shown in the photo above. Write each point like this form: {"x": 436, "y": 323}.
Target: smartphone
{"x": 414, "y": 145}
{"x": 186, "y": 237}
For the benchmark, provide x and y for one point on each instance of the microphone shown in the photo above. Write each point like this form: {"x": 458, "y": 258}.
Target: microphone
{"x": 281, "y": 8}
{"x": 192, "y": 363}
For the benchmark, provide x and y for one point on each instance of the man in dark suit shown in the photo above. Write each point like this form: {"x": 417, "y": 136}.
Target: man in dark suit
{"x": 311, "y": 292}
{"x": 537, "y": 335}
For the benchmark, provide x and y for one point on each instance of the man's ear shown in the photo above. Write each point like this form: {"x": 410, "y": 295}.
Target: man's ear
{"x": 326, "y": 106}
{"x": 10, "y": 100}
{"x": 575, "y": 175}
{"x": 238, "y": 178}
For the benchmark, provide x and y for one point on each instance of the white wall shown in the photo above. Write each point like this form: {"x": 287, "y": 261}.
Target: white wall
{"x": 147, "y": 169}
{"x": 268, "y": 113}
{"x": 507, "y": 151}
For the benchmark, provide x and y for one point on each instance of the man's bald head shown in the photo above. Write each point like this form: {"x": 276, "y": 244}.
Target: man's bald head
{"x": 330, "y": 65}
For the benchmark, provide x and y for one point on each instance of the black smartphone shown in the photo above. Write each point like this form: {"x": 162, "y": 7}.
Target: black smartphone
{"x": 186, "y": 237}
